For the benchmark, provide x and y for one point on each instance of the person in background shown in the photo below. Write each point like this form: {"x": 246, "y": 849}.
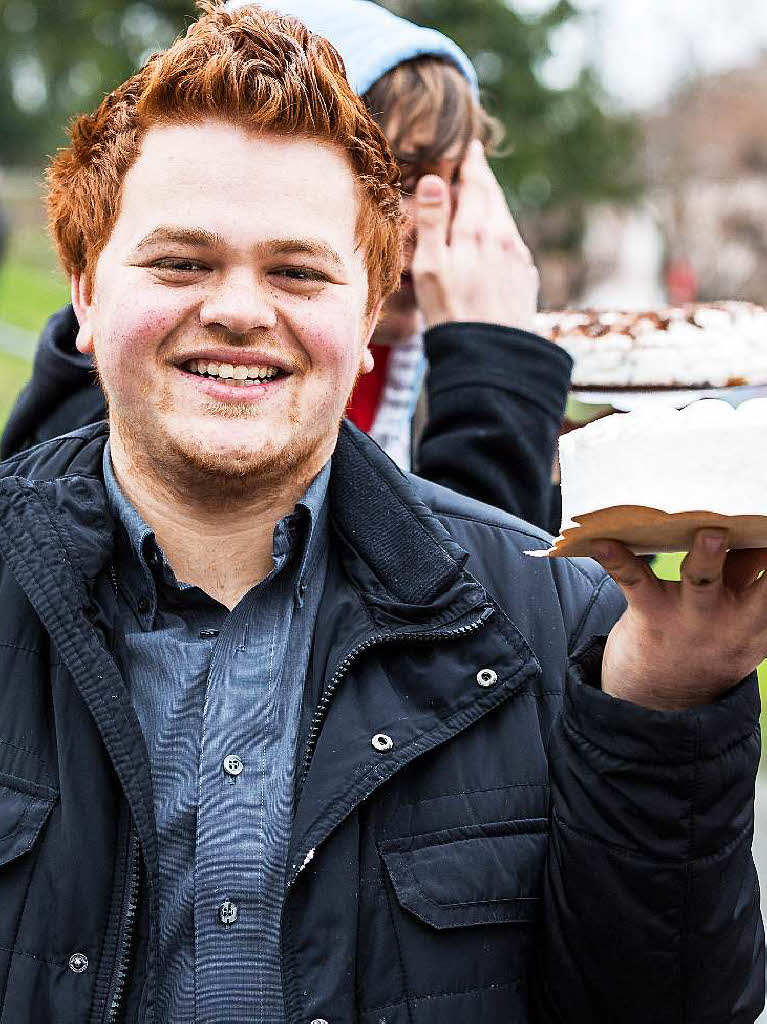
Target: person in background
{"x": 487, "y": 420}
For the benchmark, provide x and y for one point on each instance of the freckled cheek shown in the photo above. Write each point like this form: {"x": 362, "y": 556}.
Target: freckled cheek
{"x": 333, "y": 343}
{"x": 134, "y": 334}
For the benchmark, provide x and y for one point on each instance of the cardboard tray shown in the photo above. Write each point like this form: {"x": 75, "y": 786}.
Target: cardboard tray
{"x": 628, "y": 399}
{"x": 649, "y": 531}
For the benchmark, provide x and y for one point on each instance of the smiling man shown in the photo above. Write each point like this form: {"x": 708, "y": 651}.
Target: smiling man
{"x": 229, "y": 318}
{"x": 287, "y": 735}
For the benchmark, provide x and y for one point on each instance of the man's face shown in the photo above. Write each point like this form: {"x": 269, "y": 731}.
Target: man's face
{"x": 400, "y": 318}
{"x": 227, "y": 314}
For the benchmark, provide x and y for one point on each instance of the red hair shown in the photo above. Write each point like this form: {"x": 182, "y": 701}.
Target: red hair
{"x": 257, "y": 69}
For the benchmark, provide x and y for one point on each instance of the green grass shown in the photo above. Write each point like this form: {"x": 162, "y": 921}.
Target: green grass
{"x": 14, "y": 373}
{"x": 29, "y": 294}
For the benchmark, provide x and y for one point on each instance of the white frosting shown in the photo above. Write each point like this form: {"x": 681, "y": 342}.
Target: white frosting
{"x": 727, "y": 343}
{"x": 707, "y": 457}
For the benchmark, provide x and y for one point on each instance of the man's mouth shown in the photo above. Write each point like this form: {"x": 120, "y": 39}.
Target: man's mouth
{"x": 238, "y": 376}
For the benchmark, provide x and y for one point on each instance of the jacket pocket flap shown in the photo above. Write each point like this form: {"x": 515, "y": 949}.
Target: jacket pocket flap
{"x": 24, "y": 809}
{"x": 480, "y": 874}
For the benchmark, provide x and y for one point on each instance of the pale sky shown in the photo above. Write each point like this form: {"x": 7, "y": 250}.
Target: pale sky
{"x": 644, "y": 47}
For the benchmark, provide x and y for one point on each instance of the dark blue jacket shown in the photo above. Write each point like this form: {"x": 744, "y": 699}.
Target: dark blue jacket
{"x": 515, "y": 849}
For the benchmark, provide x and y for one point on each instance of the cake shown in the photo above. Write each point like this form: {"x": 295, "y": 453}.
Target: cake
{"x": 715, "y": 345}
{"x": 651, "y": 477}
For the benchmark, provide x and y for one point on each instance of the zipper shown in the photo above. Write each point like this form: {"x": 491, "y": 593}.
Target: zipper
{"x": 319, "y": 718}
{"x": 114, "y": 1003}
{"x": 342, "y": 670}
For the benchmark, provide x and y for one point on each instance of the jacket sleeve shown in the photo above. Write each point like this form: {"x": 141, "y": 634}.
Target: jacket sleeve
{"x": 651, "y": 901}
{"x": 496, "y": 397}
{"x": 62, "y": 393}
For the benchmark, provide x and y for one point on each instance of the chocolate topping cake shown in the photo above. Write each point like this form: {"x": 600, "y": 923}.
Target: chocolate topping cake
{"x": 714, "y": 345}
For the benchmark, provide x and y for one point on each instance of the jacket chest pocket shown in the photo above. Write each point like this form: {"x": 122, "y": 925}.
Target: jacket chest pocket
{"x": 480, "y": 874}
{"x": 24, "y": 809}
{"x": 453, "y": 936}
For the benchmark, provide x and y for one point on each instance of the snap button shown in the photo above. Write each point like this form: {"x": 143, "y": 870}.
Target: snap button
{"x": 227, "y": 912}
{"x": 487, "y": 677}
{"x": 78, "y": 963}
{"x": 233, "y": 765}
{"x": 381, "y": 742}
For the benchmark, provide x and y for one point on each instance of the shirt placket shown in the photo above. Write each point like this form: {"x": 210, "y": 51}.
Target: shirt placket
{"x": 234, "y": 853}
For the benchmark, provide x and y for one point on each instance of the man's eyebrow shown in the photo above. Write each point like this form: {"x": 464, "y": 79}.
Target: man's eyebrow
{"x": 211, "y": 240}
{"x": 301, "y": 247}
{"x": 182, "y": 236}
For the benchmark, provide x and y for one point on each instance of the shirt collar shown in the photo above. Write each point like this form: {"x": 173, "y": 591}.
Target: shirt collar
{"x": 315, "y": 502}
{"x": 313, "y": 507}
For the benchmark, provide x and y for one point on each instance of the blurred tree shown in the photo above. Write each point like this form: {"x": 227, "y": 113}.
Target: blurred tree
{"x": 59, "y": 57}
{"x": 565, "y": 148}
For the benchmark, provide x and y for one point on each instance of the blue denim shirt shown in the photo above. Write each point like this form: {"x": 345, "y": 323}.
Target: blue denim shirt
{"x": 218, "y": 695}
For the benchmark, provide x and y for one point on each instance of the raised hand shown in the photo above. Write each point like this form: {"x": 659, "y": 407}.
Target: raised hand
{"x": 477, "y": 268}
{"x": 683, "y": 644}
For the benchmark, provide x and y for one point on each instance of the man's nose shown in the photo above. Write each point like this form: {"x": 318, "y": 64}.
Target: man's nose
{"x": 240, "y": 302}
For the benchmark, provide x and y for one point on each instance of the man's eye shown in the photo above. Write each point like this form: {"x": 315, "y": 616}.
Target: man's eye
{"x": 301, "y": 274}
{"x": 178, "y": 265}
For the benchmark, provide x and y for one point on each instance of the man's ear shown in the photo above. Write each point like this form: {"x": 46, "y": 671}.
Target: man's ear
{"x": 83, "y": 306}
{"x": 367, "y": 362}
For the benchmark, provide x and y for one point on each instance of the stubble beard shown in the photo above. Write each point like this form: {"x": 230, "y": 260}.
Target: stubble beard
{"x": 184, "y": 467}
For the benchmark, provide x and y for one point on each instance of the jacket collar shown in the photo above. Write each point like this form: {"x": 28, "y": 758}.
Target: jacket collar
{"x": 393, "y": 547}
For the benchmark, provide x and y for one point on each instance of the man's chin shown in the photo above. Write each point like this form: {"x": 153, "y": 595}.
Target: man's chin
{"x": 212, "y": 467}
{"x": 246, "y": 459}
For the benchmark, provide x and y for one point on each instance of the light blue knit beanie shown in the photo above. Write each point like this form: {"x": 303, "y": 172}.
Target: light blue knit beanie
{"x": 370, "y": 39}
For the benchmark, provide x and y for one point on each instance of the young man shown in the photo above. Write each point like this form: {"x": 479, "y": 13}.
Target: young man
{"x": 283, "y": 732}
{"x": 488, "y": 418}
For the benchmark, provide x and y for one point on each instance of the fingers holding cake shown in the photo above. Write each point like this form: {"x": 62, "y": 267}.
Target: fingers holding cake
{"x": 680, "y": 645}
{"x": 742, "y": 568}
{"x": 634, "y": 576}
{"x": 702, "y": 570}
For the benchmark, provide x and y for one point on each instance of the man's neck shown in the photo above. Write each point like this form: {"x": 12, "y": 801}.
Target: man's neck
{"x": 223, "y": 546}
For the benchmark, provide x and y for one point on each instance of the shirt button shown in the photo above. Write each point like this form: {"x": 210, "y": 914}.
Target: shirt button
{"x": 487, "y": 677}
{"x": 319, "y": 1020}
{"x": 382, "y": 743}
{"x": 227, "y": 912}
{"x": 208, "y": 634}
{"x": 154, "y": 558}
{"x": 78, "y": 963}
{"x": 144, "y": 605}
{"x": 233, "y": 765}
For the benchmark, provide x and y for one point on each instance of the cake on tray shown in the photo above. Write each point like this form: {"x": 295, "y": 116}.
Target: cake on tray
{"x": 714, "y": 345}
{"x": 650, "y": 478}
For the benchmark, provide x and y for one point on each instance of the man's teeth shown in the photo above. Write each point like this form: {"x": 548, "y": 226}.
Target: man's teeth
{"x": 238, "y": 376}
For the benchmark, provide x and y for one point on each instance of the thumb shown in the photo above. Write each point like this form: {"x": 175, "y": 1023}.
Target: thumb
{"x": 432, "y": 217}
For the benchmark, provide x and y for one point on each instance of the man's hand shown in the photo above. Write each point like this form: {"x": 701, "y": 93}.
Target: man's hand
{"x": 477, "y": 269}
{"x": 679, "y": 645}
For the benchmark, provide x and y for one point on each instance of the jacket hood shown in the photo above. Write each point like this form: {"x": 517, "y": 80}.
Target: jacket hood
{"x": 60, "y": 376}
